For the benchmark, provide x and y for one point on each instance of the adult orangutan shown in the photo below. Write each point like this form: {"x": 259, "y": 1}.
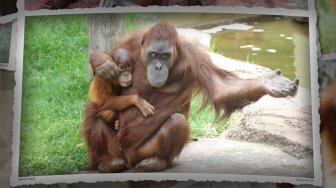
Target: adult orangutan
{"x": 167, "y": 72}
{"x": 328, "y": 125}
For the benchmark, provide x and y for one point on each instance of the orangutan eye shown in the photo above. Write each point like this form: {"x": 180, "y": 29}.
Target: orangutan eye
{"x": 153, "y": 55}
{"x": 129, "y": 67}
{"x": 165, "y": 56}
{"x": 121, "y": 67}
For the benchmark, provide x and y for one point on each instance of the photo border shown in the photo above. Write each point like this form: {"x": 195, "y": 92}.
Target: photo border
{"x": 15, "y": 180}
{"x": 13, "y": 41}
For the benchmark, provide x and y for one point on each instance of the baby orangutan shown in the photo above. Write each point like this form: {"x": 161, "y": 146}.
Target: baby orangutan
{"x": 105, "y": 92}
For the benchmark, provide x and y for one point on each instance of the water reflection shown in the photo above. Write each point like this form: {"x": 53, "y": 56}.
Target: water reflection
{"x": 276, "y": 44}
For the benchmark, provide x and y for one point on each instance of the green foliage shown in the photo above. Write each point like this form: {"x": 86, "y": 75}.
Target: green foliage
{"x": 326, "y": 25}
{"x": 131, "y": 20}
{"x": 55, "y": 86}
{"x": 214, "y": 47}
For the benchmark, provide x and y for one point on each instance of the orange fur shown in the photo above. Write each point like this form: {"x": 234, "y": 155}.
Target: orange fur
{"x": 328, "y": 123}
{"x": 151, "y": 144}
{"x": 101, "y": 111}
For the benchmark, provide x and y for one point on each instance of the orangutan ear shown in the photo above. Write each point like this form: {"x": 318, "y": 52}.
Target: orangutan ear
{"x": 144, "y": 37}
{"x": 143, "y": 40}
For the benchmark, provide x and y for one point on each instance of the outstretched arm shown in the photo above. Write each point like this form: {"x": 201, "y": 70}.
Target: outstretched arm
{"x": 226, "y": 91}
{"x": 235, "y": 93}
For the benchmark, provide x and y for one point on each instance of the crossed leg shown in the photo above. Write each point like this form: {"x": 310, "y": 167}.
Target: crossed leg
{"x": 103, "y": 150}
{"x": 159, "y": 152}
{"x": 156, "y": 154}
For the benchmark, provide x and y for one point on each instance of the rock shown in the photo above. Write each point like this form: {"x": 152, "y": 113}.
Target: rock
{"x": 285, "y": 123}
{"x": 282, "y": 122}
{"x": 223, "y": 156}
{"x": 287, "y": 129}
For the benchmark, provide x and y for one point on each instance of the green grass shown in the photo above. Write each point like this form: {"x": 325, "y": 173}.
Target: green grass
{"x": 203, "y": 122}
{"x": 55, "y": 86}
{"x": 5, "y": 38}
{"x": 326, "y": 24}
{"x": 130, "y": 21}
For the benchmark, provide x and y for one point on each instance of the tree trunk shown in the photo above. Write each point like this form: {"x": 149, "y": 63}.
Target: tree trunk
{"x": 105, "y": 30}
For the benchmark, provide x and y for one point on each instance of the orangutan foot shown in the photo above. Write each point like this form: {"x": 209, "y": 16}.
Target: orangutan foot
{"x": 151, "y": 165}
{"x": 112, "y": 165}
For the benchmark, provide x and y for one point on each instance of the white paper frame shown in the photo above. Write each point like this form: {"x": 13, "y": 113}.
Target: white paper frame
{"x": 90, "y": 178}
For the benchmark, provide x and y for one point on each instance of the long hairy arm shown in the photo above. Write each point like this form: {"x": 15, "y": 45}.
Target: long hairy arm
{"x": 135, "y": 129}
{"x": 226, "y": 91}
{"x": 103, "y": 65}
